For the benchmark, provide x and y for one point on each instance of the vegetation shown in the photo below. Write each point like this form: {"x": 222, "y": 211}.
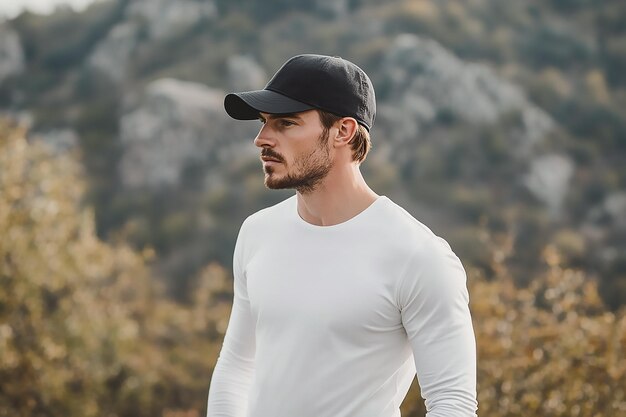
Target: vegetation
{"x": 114, "y": 301}
{"x": 85, "y": 332}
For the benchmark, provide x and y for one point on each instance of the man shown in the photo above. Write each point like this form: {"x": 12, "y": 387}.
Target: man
{"x": 339, "y": 295}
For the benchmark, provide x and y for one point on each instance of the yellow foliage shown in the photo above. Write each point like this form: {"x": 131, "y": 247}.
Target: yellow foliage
{"x": 424, "y": 9}
{"x": 550, "y": 349}
{"x": 554, "y": 80}
{"x": 85, "y": 331}
{"x": 597, "y": 86}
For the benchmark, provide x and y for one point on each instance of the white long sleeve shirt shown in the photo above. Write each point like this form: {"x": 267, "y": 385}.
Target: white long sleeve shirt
{"x": 334, "y": 321}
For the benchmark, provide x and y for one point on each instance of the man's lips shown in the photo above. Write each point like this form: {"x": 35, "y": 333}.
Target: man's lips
{"x": 268, "y": 155}
{"x": 270, "y": 159}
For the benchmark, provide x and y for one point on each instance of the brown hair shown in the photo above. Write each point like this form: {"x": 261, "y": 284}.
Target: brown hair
{"x": 360, "y": 142}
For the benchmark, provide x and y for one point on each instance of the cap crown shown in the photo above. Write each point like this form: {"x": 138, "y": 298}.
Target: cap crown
{"x": 328, "y": 83}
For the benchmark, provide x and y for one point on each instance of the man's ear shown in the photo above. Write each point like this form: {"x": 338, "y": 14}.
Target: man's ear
{"x": 346, "y": 129}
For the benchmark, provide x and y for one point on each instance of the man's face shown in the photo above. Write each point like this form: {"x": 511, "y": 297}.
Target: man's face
{"x": 294, "y": 150}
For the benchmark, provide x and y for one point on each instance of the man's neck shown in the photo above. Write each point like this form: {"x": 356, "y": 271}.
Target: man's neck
{"x": 340, "y": 197}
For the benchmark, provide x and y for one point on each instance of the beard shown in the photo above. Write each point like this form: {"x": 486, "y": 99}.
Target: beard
{"x": 307, "y": 172}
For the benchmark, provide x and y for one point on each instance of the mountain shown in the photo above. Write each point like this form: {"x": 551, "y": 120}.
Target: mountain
{"x": 498, "y": 119}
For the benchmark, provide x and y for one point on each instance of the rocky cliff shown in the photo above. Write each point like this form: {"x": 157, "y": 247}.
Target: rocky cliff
{"x": 505, "y": 118}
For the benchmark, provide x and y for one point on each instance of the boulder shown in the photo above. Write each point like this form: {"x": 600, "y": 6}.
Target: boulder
{"x": 112, "y": 55}
{"x": 11, "y": 53}
{"x": 548, "y": 180}
{"x": 615, "y": 207}
{"x": 611, "y": 211}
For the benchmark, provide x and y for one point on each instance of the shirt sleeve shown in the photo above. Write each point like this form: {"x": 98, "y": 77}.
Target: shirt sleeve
{"x": 234, "y": 370}
{"x": 433, "y": 299}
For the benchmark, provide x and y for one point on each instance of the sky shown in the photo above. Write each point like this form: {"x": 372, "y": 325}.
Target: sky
{"x": 11, "y": 8}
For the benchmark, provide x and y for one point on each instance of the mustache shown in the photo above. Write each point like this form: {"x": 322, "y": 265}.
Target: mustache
{"x": 268, "y": 153}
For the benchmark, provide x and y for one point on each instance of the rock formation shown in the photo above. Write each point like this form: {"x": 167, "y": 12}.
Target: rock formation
{"x": 173, "y": 124}
{"x": 423, "y": 80}
{"x": 548, "y": 180}
{"x": 11, "y": 53}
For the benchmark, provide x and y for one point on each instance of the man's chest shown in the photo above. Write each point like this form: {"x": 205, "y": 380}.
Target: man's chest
{"x": 330, "y": 288}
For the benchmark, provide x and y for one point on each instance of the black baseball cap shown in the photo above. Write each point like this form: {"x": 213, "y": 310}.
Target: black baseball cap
{"x": 307, "y": 82}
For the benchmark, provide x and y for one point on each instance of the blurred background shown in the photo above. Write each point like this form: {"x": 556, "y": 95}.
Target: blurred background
{"x": 501, "y": 125}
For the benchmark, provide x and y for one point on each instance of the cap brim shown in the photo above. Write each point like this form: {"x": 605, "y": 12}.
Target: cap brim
{"x": 248, "y": 105}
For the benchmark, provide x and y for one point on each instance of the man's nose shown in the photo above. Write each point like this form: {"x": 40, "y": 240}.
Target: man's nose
{"x": 264, "y": 138}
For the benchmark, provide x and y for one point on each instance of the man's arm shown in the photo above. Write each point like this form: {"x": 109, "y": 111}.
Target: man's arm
{"x": 434, "y": 300}
{"x": 234, "y": 370}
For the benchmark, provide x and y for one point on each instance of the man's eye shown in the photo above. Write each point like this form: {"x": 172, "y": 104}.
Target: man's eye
{"x": 286, "y": 123}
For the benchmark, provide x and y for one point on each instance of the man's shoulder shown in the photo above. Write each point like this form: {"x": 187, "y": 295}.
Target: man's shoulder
{"x": 409, "y": 236}
{"x": 402, "y": 224}
{"x": 271, "y": 216}
{"x": 421, "y": 248}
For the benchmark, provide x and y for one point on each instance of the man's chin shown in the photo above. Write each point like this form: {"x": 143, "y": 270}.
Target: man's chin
{"x": 271, "y": 181}
{"x": 288, "y": 183}
{"x": 274, "y": 184}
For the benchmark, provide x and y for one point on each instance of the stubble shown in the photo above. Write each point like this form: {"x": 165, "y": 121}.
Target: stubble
{"x": 307, "y": 172}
